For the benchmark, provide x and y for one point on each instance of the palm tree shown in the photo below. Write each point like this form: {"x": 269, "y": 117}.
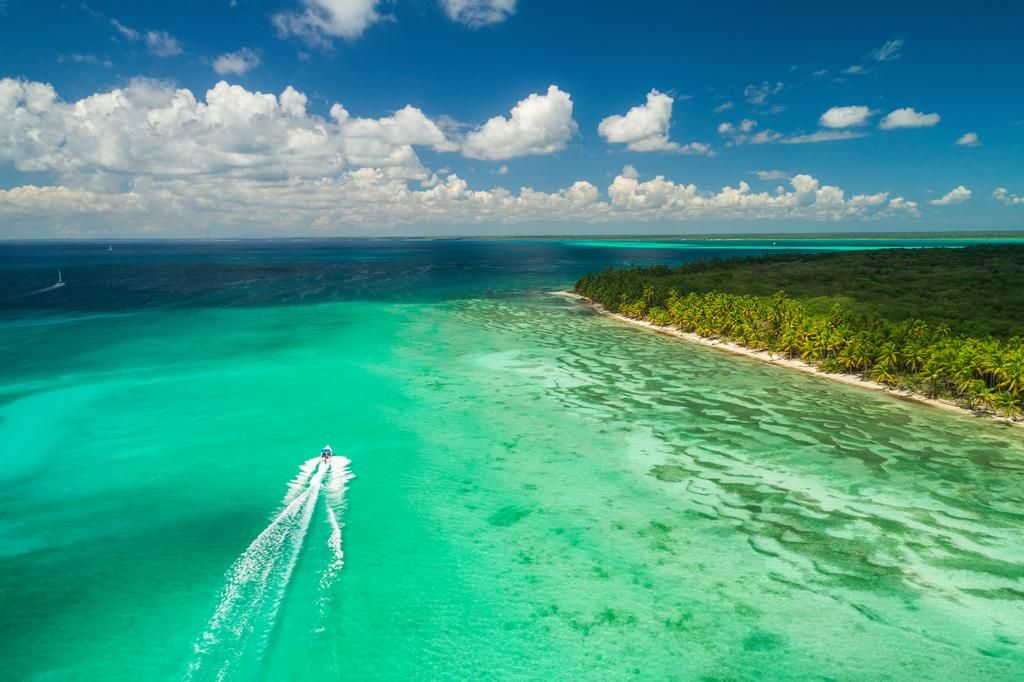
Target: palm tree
{"x": 1011, "y": 373}
{"x": 882, "y": 373}
{"x": 984, "y": 396}
{"x": 1008, "y": 405}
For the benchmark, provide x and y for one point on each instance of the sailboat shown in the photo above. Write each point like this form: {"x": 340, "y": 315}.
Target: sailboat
{"x": 60, "y": 281}
{"x": 110, "y": 247}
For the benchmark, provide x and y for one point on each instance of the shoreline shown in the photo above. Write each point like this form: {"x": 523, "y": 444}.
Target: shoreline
{"x": 798, "y": 365}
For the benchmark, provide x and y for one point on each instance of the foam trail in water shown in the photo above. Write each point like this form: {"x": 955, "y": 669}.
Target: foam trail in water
{"x": 255, "y": 586}
{"x": 298, "y": 484}
{"x": 33, "y": 293}
{"x": 337, "y": 484}
{"x": 337, "y": 481}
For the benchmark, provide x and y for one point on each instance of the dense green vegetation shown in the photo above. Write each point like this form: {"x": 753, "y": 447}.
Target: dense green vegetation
{"x": 944, "y": 322}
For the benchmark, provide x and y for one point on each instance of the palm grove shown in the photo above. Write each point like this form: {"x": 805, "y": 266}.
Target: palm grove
{"x": 943, "y": 322}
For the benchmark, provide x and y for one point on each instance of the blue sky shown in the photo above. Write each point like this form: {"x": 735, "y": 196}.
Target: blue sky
{"x": 351, "y": 117}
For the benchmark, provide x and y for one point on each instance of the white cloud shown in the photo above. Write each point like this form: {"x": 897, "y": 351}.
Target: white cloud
{"x": 539, "y": 124}
{"x": 744, "y": 126}
{"x": 740, "y": 133}
{"x": 968, "y": 140}
{"x": 373, "y": 199}
{"x": 908, "y": 118}
{"x": 696, "y": 149}
{"x": 84, "y": 59}
{"x": 887, "y": 52}
{"x": 724, "y": 106}
{"x": 644, "y": 128}
{"x": 323, "y": 20}
{"x": 901, "y": 204}
{"x": 57, "y": 199}
{"x": 150, "y": 127}
{"x": 152, "y": 157}
{"x": 957, "y": 195}
{"x": 759, "y": 94}
{"x": 855, "y": 69}
{"x": 158, "y": 43}
{"x": 807, "y": 198}
{"x": 845, "y": 117}
{"x": 822, "y": 136}
{"x": 503, "y": 170}
{"x": 477, "y": 13}
{"x": 236, "y": 63}
{"x": 1003, "y": 196}
{"x": 771, "y": 175}
{"x": 162, "y": 44}
{"x": 125, "y": 31}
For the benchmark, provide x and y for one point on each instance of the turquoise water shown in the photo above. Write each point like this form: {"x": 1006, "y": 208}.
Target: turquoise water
{"x": 538, "y": 491}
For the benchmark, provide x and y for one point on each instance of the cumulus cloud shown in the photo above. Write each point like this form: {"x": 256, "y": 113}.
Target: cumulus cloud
{"x": 806, "y": 198}
{"x": 908, "y": 118}
{"x": 968, "y": 140}
{"x": 759, "y": 94}
{"x": 60, "y": 200}
{"x": 900, "y": 204}
{"x": 151, "y": 127}
{"x": 887, "y": 52}
{"x": 236, "y": 63}
{"x": 323, "y": 20}
{"x": 644, "y": 128}
{"x": 957, "y": 195}
{"x": 845, "y": 117}
{"x": 150, "y": 156}
{"x": 539, "y": 124}
{"x": 477, "y": 13}
{"x": 724, "y": 106}
{"x": 372, "y": 199}
{"x": 744, "y": 126}
{"x": 1003, "y": 196}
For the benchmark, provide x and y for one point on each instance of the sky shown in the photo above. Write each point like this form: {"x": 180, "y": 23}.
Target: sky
{"x": 230, "y": 118}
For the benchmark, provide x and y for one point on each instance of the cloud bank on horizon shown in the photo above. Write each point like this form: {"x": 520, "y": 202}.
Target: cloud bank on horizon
{"x": 156, "y": 154}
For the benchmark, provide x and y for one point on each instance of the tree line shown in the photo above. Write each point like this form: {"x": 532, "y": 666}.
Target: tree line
{"x": 984, "y": 373}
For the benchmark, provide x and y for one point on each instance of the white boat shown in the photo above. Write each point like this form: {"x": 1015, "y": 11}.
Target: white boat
{"x": 60, "y": 280}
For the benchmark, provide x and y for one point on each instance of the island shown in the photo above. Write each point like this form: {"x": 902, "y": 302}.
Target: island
{"x": 943, "y": 325}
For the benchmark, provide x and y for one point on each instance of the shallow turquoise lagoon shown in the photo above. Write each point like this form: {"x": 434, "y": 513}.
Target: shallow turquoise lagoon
{"x": 538, "y": 492}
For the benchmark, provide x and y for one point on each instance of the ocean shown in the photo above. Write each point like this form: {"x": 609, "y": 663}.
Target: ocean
{"x": 522, "y": 489}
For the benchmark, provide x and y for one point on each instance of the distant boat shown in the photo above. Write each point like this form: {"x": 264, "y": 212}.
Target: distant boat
{"x": 110, "y": 247}
{"x": 60, "y": 280}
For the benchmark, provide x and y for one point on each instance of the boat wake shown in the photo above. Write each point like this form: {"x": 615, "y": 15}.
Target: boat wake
{"x": 238, "y": 632}
{"x": 335, "y": 498}
{"x": 33, "y": 293}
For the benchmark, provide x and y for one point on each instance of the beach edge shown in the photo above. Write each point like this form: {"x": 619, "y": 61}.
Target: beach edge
{"x": 790, "y": 363}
